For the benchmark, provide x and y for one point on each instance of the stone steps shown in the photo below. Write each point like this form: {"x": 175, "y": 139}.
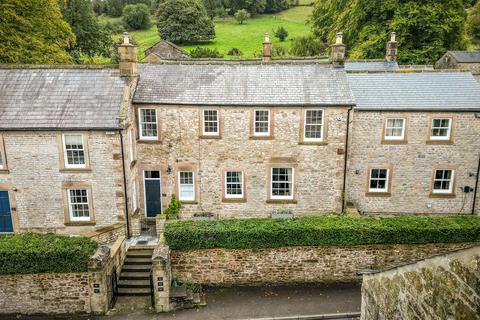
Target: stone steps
{"x": 134, "y": 278}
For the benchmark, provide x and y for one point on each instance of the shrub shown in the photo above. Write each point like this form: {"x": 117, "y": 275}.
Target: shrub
{"x": 234, "y": 52}
{"x": 200, "y": 52}
{"x": 173, "y": 208}
{"x": 241, "y": 15}
{"x": 136, "y": 16}
{"x": 308, "y": 46}
{"x": 279, "y": 52}
{"x": 281, "y": 33}
{"x": 35, "y": 253}
{"x": 317, "y": 231}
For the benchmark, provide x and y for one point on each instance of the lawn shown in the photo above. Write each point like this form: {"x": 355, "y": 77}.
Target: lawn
{"x": 247, "y": 37}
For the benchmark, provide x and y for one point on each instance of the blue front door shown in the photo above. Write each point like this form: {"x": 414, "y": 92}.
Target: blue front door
{"x": 5, "y": 215}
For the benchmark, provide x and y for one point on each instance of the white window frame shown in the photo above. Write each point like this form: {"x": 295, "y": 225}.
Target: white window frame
{"x": 70, "y": 204}
{"x": 65, "y": 156}
{"x": 2, "y": 160}
{"x": 140, "y": 127}
{"x": 133, "y": 196}
{"x": 261, "y": 134}
{"x": 452, "y": 179}
{"x": 387, "y": 181}
{"x": 217, "y": 133}
{"x": 234, "y": 196}
{"x": 449, "y": 129}
{"x": 130, "y": 143}
{"x": 180, "y": 187}
{"x": 402, "y": 136}
{"x": 305, "y": 126}
{"x": 274, "y": 197}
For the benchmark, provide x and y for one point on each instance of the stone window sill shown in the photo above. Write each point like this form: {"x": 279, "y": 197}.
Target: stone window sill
{"x": 210, "y": 137}
{"x": 313, "y": 143}
{"x": 261, "y": 138}
{"x": 394, "y": 142}
{"x": 188, "y": 202}
{"x": 75, "y": 170}
{"x": 442, "y": 195}
{"x": 143, "y": 141}
{"x": 282, "y": 201}
{"x": 234, "y": 200}
{"x": 79, "y": 223}
{"x": 439, "y": 142}
{"x": 378, "y": 194}
{"x": 4, "y": 171}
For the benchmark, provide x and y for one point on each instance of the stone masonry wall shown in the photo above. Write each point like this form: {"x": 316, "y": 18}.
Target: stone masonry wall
{"x": 319, "y": 170}
{"x": 442, "y": 287}
{"x": 291, "y": 265}
{"x": 412, "y": 163}
{"x": 35, "y": 180}
{"x": 56, "y": 293}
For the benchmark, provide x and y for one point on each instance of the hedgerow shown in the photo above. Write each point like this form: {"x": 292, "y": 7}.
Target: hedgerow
{"x": 333, "y": 230}
{"x": 35, "y": 253}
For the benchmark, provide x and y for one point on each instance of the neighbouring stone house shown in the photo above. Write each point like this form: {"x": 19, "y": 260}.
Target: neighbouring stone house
{"x": 460, "y": 59}
{"x": 60, "y": 148}
{"x": 164, "y": 50}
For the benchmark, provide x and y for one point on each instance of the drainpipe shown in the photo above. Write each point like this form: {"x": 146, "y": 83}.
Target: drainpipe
{"x": 345, "y": 161}
{"x": 124, "y": 184}
{"x": 475, "y": 191}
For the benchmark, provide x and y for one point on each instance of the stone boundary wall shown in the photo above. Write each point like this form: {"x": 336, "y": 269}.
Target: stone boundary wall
{"x": 290, "y": 265}
{"x": 63, "y": 293}
{"x": 442, "y": 287}
{"x": 108, "y": 234}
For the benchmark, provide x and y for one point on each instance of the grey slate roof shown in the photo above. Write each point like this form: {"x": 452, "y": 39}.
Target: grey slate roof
{"x": 466, "y": 56}
{"x": 415, "y": 91}
{"x": 242, "y": 84}
{"x": 60, "y": 98}
{"x": 371, "y": 65}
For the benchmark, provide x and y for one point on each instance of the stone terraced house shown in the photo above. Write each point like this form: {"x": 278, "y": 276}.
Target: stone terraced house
{"x": 83, "y": 148}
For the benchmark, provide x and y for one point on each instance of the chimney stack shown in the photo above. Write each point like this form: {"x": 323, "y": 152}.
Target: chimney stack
{"x": 127, "y": 57}
{"x": 338, "y": 50}
{"x": 391, "y": 48}
{"x": 267, "y": 49}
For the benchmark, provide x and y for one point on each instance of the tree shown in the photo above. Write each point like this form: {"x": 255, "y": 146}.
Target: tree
{"x": 136, "y": 16}
{"x": 473, "y": 24}
{"x": 253, "y": 6}
{"x": 184, "y": 21}
{"x": 92, "y": 38}
{"x": 33, "y": 31}
{"x": 425, "y": 29}
{"x": 273, "y": 6}
{"x": 212, "y": 7}
{"x": 308, "y": 46}
{"x": 202, "y": 52}
{"x": 281, "y": 33}
{"x": 242, "y": 15}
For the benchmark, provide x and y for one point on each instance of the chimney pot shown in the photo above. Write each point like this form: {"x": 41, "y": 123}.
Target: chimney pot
{"x": 126, "y": 40}
{"x": 267, "y": 49}
{"x": 339, "y": 38}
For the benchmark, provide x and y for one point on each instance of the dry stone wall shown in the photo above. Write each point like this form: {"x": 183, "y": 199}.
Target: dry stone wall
{"x": 293, "y": 264}
{"x": 442, "y": 287}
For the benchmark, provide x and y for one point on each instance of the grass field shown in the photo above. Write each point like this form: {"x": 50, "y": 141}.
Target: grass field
{"x": 247, "y": 37}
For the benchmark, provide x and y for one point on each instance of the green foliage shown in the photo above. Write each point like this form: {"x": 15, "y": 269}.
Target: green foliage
{"x": 241, "y": 15}
{"x": 213, "y": 7}
{"x": 173, "y": 208}
{"x": 136, "y": 16}
{"x": 473, "y": 24}
{"x": 308, "y": 46}
{"x": 92, "y": 37}
{"x": 33, "y": 31}
{"x": 281, "y": 33}
{"x": 253, "y": 6}
{"x": 425, "y": 29}
{"x": 114, "y": 8}
{"x": 35, "y": 253}
{"x": 338, "y": 230}
{"x": 201, "y": 52}
{"x": 234, "y": 52}
{"x": 273, "y": 6}
{"x": 184, "y": 21}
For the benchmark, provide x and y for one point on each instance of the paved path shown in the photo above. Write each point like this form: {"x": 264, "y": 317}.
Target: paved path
{"x": 254, "y": 302}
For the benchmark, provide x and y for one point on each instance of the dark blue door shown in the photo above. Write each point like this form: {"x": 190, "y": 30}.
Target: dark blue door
{"x": 5, "y": 215}
{"x": 152, "y": 193}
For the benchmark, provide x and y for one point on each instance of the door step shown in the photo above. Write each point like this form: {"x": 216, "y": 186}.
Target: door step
{"x": 134, "y": 278}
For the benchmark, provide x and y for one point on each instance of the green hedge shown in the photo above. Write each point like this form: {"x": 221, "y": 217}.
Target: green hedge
{"x": 35, "y": 253}
{"x": 332, "y": 230}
